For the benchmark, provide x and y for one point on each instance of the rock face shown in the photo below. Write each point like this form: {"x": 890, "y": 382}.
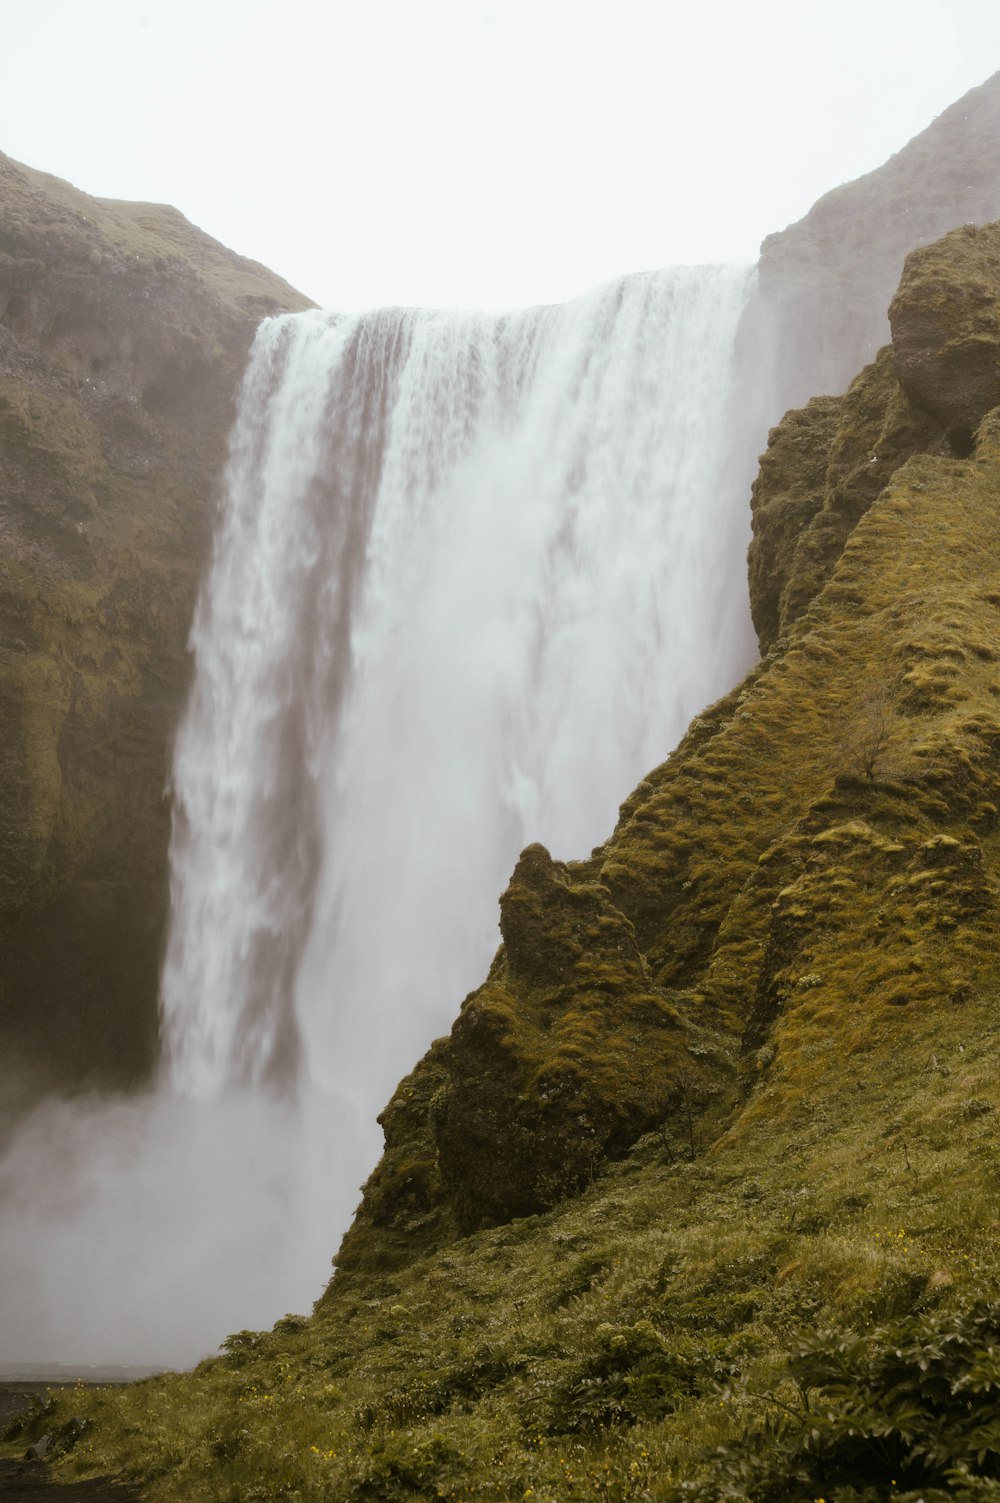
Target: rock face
{"x": 123, "y": 331}
{"x": 561, "y": 1060}
{"x": 927, "y": 393}
{"x": 945, "y": 321}
{"x": 824, "y": 283}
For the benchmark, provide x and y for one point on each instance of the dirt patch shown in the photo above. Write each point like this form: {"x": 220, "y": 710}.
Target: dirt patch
{"x": 30, "y": 1482}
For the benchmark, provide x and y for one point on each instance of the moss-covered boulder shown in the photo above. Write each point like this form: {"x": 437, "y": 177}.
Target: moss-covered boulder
{"x": 123, "y": 334}
{"x": 945, "y": 321}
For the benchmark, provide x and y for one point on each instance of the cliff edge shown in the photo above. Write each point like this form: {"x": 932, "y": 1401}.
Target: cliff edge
{"x": 123, "y": 334}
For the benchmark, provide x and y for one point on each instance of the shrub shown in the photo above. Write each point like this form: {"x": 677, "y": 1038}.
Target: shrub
{"x": 909, "y": 1411}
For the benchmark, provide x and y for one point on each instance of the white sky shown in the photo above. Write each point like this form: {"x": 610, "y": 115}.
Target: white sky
{"x": 479, "y": 152}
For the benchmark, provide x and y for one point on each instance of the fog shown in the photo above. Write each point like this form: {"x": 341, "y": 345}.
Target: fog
{"x": 140, "y": 1231}
{"x": 479, "y": 153}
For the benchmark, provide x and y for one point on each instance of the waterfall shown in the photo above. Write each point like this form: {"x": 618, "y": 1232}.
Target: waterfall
{"x": 466, "y": 590}
{"x": 472, "y": 576}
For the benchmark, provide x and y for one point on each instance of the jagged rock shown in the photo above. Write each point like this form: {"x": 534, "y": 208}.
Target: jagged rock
{"x": 926, "y": 393}
{"x": 945, "y": 321}
{"x": 559, "y": 1062}
{"x": 823, "y": 468}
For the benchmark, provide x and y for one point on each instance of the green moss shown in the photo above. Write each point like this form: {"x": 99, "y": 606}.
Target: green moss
{"x": 823, "y": 469}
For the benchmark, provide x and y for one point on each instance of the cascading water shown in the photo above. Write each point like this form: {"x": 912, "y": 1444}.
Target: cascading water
{"x": 471, "y": 579}
{"x": 462, "y": 598}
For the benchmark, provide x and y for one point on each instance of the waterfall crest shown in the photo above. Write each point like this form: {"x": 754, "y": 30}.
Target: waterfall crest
{"x": 469, "y": 584}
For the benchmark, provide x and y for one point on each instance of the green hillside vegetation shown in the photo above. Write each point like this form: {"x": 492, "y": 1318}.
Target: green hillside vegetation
{"x": 700, "y": 1198}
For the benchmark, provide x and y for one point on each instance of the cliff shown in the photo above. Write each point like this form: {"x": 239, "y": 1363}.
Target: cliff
{"x": 824, "y": 284}
{"x": 123, "y": 333}
{"x": 698, "y": 1199}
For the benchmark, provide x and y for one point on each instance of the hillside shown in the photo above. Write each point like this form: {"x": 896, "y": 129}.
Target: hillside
{"x": 846, "y": 255}
{"x": 730, "y": 1082}
{"x": 123, "y": 334}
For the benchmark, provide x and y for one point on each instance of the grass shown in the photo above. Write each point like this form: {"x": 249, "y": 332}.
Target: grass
{"x": 604, "y": 1348}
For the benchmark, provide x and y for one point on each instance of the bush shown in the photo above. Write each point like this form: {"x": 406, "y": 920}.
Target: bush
{"x": 910, "y": 1411}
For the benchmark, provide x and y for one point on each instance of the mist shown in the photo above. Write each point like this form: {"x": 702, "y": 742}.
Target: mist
{"x": 139, "y": 1231}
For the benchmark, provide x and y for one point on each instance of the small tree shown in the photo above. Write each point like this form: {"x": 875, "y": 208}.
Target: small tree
{"x": 870, "y": 733}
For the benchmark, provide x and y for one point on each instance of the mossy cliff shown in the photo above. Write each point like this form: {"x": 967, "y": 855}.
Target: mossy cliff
{"x": 123, "y": 333}
{"x": 730, "y": 1081}
{"x": 926, "y": 393}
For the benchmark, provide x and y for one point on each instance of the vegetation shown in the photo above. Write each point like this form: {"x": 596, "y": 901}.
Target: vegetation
{"x": 906, "y": 1411}
{"x": 608, "y": 1348}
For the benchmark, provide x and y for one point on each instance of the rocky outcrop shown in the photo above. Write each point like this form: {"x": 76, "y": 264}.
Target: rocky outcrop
{"x": 123, "y": 333}
{"x": 568, "y": 1052}
{"x": 945, "y": 322}
{"x": 824, "y": 283}
{"x": 927, "y": 393}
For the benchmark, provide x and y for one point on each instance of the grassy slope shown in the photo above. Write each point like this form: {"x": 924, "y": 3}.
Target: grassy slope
{"x": 836, "y": 935}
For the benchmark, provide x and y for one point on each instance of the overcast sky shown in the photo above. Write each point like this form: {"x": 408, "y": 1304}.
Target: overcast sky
{"x": 479, "y": 152}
